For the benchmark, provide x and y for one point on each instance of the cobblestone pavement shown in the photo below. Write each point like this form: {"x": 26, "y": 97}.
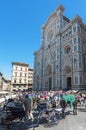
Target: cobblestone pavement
{"x": 71, "y": 122}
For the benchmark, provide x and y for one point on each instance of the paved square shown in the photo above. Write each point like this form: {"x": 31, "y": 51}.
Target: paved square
{"x": 71, "y": 122}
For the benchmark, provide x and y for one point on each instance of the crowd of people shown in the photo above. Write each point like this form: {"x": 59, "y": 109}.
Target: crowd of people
{"x": 26, "y": 104}
{"x": 53, "y": 98}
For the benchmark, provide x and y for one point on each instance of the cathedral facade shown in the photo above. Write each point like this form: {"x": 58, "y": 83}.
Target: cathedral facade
{"x": 60, "y": 62}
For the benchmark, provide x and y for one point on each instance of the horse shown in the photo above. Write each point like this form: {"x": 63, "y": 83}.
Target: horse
{"x": 70, "y": 100}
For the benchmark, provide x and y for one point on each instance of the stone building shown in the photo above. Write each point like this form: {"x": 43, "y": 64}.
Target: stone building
{"x": 22, "y": 77}
{"x": 60, "y": 61}
{"x": 6, "y": 84}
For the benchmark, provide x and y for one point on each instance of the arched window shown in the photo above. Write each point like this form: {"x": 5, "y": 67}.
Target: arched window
{"x": 25, "y": 80}
{"x": 25, "y": 69}
{"x": 25, "y": 74}
{"x": 20, "y": 80}
{"x": 67, "y": 49}
{"x": 20, "y": 74}
{"x": 75, "y": 63}
{"x": 14, "y": 80}
{"x": 74, "y": 29}
{"x": 15, "y": 74}
{"x": 57, "y": 67}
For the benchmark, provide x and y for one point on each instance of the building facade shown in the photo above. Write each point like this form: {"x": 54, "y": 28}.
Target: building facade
{"x": 30, "y": 78}
{"x": 60, "y": 61}
{"x": 22, "y": 76}
{"x": 6, "y": 84}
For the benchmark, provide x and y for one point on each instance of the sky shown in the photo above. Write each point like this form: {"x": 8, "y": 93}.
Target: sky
{"x": 20, "y": 28}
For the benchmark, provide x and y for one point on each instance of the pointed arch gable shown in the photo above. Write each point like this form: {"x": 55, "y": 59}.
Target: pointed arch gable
{"x": 48, "y": 70}
{"x": 50, "y": 18}
{"x": 67, "y": 69}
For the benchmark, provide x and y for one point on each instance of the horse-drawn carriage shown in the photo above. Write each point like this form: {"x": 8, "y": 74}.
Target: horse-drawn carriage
{"x": 11, "y": 111}
{"x": 71, "y": 100}
{"x": 14, "y": 110}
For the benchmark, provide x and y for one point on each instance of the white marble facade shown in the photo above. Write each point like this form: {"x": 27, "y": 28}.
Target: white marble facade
{"x": 60, "y": 61}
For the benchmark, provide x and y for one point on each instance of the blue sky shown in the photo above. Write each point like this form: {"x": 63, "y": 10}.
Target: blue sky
{"x": 20, "y": 23}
